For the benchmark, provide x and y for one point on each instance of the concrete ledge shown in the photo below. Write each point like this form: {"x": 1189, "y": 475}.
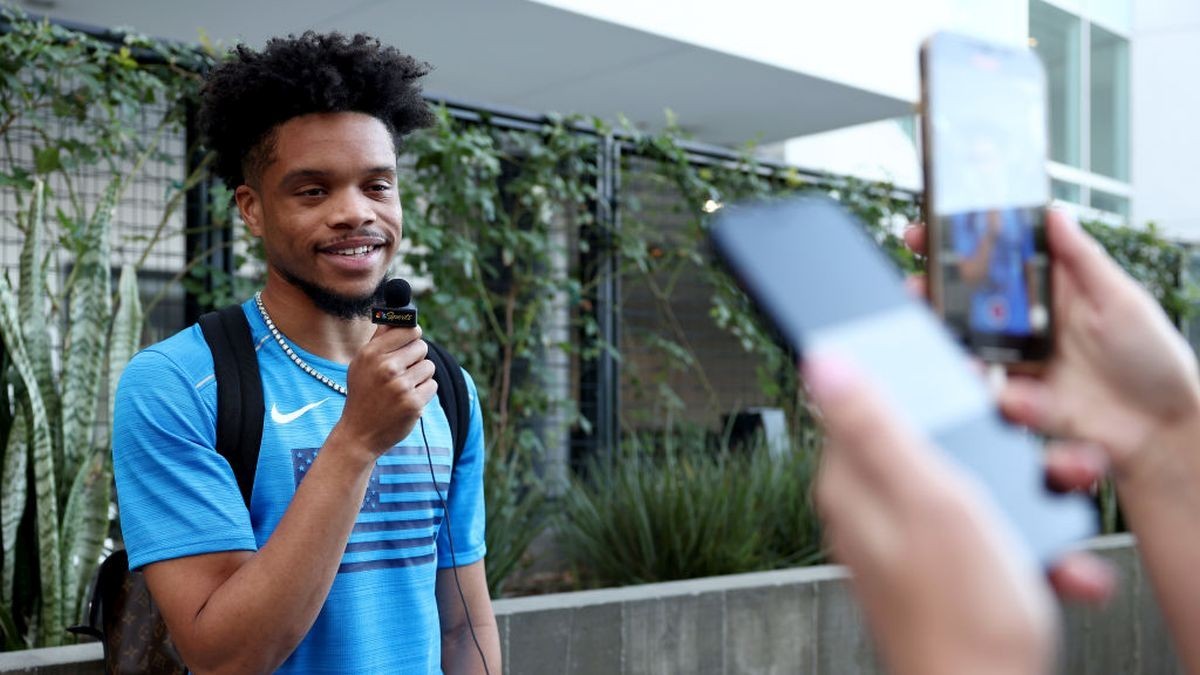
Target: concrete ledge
{"x": 82, "y": 659}
{"x": 800, "y": 620}
{"x": 669, "y": 589}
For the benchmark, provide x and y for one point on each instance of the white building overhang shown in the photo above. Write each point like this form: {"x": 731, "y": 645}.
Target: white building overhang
{"x": 538, "y": 57}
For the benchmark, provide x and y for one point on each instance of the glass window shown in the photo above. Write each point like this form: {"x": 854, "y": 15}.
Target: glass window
{"x": 1106, "y": 201}
{"x": 1191, "y": 270}
{"x": 1055, "y": 36}
{"x": 1110, "y": 104}
{"x": 1066, "y": 192}
{"x": 908, "y": 124}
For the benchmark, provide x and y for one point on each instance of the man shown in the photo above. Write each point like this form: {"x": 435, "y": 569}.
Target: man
{"x": 344, "y": 562}
{"x": 932, "y": 565}
{"x": 996, "y": 251}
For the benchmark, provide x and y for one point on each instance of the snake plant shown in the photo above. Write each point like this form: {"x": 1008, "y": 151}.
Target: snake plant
{"x": 56, "y": 469}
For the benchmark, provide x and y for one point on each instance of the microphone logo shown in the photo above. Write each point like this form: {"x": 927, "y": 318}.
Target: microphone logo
{"x": 395, "y": 317}
{"x": 397, "y": 309}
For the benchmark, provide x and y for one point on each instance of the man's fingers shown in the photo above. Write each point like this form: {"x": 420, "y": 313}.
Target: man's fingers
{"x": 1074, "y": 465}
{"x": 390, "y": 338}
{"x": 420, "y": 372}
{"x": 1082, "y": 577}
{"x": 914, "y": 238}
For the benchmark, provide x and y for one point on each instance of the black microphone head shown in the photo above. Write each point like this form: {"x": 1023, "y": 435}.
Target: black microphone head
{"x": 397, "y": 293}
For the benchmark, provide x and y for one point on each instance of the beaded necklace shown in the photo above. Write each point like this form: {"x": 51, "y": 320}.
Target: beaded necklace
{"x": 291, "y": 353}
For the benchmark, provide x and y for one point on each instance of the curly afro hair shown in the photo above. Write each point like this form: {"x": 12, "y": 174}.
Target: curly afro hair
{"x": 246, "y": 98}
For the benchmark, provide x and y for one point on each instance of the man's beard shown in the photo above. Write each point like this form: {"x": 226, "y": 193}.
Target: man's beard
{"x": 337, "y": 305}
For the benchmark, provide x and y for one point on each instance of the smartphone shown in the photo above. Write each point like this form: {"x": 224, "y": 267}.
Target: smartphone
{"x": 985, "y": 141}
{"x": 822, "y": 282}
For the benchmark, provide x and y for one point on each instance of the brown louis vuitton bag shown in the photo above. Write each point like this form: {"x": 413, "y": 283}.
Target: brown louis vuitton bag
{"x": 125, "y": 620}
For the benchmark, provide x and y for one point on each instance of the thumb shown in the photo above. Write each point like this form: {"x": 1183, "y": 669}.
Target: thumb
{"x": 857, "y": 418}
{"x": 1081, "y": 256}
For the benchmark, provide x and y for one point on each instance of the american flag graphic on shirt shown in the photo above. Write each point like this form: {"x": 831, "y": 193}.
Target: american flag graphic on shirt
{"x": 401, "y": 512}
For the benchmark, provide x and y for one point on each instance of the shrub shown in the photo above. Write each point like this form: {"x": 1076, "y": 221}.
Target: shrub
{"x": 684, "y": 510}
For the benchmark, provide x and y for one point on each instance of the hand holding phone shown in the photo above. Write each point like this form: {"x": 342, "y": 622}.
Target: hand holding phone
{"x": 818, "y": 278}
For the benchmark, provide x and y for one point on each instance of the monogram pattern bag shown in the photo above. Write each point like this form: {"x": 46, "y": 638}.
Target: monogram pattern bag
{"x": 125, "y": 620}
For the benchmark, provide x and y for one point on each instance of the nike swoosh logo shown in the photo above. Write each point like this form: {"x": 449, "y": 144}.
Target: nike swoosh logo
{"x": 285, "y": 418}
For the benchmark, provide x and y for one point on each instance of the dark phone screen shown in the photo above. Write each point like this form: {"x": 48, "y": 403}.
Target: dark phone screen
{"x": 988, "y": 142}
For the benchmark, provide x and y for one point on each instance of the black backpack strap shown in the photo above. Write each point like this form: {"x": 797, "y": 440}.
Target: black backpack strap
{"x": 452, "y": 395}
{"x": 240, "y": 407}
{"x": 106, "y": 581}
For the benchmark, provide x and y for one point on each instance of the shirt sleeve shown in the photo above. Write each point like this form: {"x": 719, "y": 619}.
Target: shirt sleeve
{"x": 465, "y": 501}
{"x": 1025, "y": 228}
{"x": 965, "y": 242}
{"x": 177, "y": 497}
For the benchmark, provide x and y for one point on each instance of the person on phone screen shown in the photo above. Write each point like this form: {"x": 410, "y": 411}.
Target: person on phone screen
{"x": 996, "y": 261}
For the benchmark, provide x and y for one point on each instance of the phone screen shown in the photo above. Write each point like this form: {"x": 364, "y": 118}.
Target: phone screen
{"x": 986, "y": 145}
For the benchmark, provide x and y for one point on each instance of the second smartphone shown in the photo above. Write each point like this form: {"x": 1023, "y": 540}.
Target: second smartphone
{"x": 984, "y": 130}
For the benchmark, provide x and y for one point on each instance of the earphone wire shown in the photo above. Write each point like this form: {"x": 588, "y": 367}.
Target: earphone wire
{"x": 450, "y": 536}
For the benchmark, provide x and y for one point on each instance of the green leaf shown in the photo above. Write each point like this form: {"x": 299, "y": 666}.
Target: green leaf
{"x": 90, "y": 301}
{"x": 14, "y": 487}
{"x": 85, "y": 525}
{"x": 46, "y": 160}
{"x": 12, "y": 637}
{"x": 33, "y": 307}
{"x": 17, "y": 178}
{"x": 51, "y": 627}
{"x": 126, "y": 332}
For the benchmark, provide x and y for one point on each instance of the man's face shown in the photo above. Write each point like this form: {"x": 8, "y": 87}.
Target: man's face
{"x": 327, "y": 209}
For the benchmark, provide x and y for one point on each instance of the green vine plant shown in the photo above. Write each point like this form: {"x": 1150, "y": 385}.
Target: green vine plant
{"x": 491, "y": 216}
{"x": 664, "y": 249}
{"x": 1156, "y": 262}
{"x": 78, "y": 106}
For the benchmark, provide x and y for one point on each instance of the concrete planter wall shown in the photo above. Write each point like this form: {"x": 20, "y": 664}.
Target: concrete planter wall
{"x": 790, "y": 621}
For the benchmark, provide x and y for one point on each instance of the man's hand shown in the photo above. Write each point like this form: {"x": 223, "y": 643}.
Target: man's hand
{"x": 932, "y": 565}
{"x": 388, "y": 384}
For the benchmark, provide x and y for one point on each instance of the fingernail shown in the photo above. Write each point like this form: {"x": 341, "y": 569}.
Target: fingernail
{"x": 828, "y": 376}
{"x": 1065, "y": 218}
{"x": 1101, "y": 576}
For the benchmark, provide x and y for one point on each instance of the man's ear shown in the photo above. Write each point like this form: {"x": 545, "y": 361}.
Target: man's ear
{"x": 250, "y": 206}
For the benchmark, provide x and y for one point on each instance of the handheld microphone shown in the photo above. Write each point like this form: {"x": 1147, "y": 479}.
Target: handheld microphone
{"x": 397, "y": 309}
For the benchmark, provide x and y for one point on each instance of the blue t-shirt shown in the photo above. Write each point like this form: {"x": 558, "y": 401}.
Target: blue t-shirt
{"x": 1000, "y": 303}
{"x": 178, "y": 497}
